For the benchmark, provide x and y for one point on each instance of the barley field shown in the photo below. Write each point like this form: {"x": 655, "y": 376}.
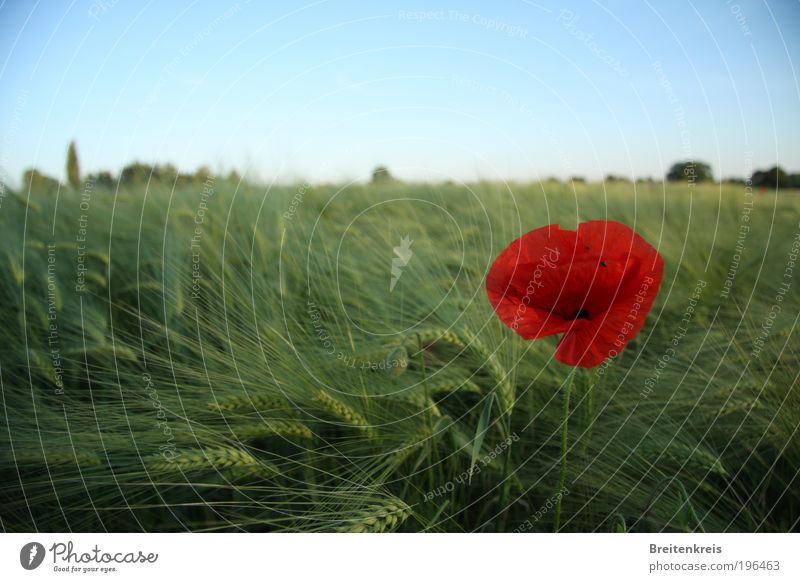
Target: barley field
{"x": 223, "y": 356}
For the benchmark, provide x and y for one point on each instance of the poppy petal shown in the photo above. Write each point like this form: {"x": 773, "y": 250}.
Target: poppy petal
{"x": 595, "y": 285}
{"x": 516, "y": 277}
{"x": 606, "y": 335}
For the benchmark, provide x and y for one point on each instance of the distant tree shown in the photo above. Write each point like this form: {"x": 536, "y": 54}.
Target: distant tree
{"x": 135, "y": 173}
{"x": 690, "y": 170}
{"x": 138, "y": 172}
{"x": 202, "y": 174}
{"x": 164, "y": 173}
{"x": 38, "y": 182}
{"x": 184, "y": 179}
{"x": 102, "y": 180}
{"x": 775, "y": 177}
{"x": 381, "y": 175}
{"x": 73, "y": 167}
{"x": 615, "y": 178}
{"x": 577, "y": 179}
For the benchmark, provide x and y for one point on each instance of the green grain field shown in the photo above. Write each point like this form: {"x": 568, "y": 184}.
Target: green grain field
{"x": 223, "y": 356}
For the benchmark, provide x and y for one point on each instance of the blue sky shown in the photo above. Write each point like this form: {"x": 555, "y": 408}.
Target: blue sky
{"x": 435, "y": 90}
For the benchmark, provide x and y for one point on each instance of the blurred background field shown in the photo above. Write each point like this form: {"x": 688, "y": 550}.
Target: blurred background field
{"x": 210, "y": 355}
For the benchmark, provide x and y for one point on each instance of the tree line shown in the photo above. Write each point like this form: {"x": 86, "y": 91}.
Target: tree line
{"x": 141, "y": 173}
{"x": 774, "y": 177}
{"x": 132, "y": 174}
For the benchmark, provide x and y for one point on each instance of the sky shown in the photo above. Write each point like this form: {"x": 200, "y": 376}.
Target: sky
{"x": 326, "y": 90}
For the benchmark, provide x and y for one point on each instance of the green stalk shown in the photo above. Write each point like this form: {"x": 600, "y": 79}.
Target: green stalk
{"x": 593, "y": 385}
{"x": 562, "y": 477}
{"x": 506, "y": 486}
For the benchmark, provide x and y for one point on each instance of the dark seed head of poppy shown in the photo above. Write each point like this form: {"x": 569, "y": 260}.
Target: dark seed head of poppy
{"x": 582, "y": 314}
{"x": 603, "y": 264}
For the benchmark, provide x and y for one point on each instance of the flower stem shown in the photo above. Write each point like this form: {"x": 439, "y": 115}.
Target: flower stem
{"x": 506, "y": 483}
{"x": 562, "y": 477}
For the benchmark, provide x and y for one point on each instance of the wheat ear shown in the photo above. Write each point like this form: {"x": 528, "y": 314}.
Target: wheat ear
{"x": 202, "y": 460}
{"x": 285, "y": 428}
{"x": 250, "y": 402}
{"x": 377, "y": 518}
{"x": 343, "y": 412}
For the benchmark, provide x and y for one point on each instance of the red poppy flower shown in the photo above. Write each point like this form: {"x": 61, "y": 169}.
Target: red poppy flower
{"x": 595, "y": 286}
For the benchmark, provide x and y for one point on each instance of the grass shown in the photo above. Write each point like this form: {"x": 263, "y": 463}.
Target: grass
{"x": 237, "y": 362}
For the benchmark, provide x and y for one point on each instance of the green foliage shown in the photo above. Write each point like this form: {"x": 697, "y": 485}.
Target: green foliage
{"x": 690, "y": 171}
{"x": 102, "y": 180}
{"x": 136, "y": 173}
{"x": 202, "y": 174}
{"x": 381, "y": 175}
{"x": 73, "y": 167}
{"x": 281, "y": 386}
{"x": 139, "y": 174}
{"x": 775, "y": 177}
{"x": 39, "y": 183}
